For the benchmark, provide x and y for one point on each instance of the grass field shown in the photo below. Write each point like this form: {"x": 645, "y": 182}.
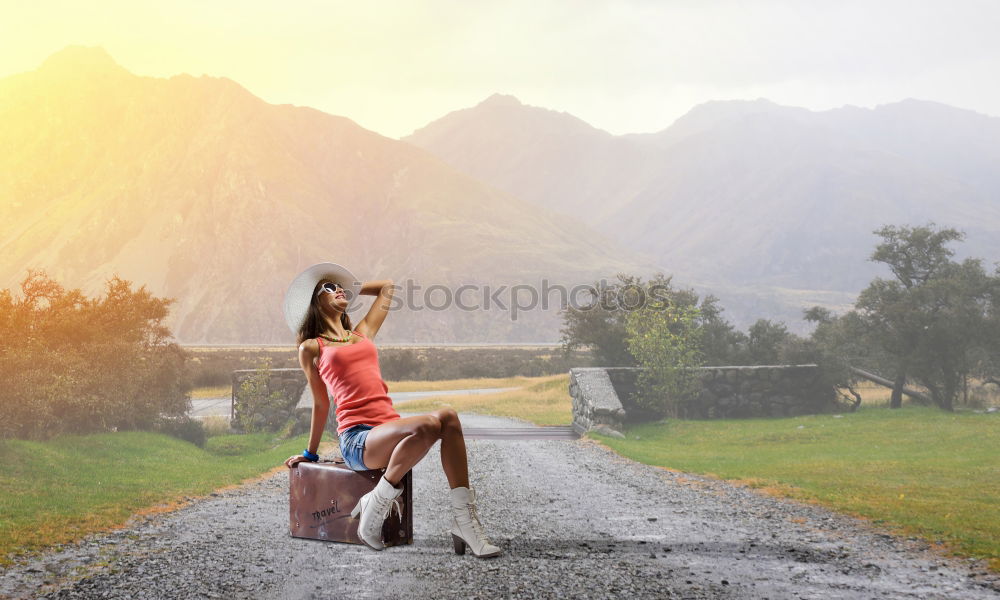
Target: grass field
{"x": 218, "y": 391}
{"x": 459, "y": 384}
{"x": 979, "y": 395}
{"x": 541, "y": 400}
{"x": 58, "y": 491}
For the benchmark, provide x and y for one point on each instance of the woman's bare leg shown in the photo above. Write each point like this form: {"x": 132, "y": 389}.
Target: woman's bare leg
{"x": 454, "y": 457}
{"x": 399, "y": 445}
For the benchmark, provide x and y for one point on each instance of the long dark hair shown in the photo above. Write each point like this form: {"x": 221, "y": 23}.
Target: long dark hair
{"x": 314, "y": 323}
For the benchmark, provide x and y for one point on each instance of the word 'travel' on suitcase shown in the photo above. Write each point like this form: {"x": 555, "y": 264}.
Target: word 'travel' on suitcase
{"x": 323, "y": 494}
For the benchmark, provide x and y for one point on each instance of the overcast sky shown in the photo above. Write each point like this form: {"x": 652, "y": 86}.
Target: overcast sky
{"x": 629, "y": 66}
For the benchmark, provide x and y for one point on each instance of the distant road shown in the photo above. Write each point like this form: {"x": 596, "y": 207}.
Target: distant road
{"x": 205, "y": 407}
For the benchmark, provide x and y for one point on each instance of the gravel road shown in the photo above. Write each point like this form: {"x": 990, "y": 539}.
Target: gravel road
{"x": 574, "y": 520}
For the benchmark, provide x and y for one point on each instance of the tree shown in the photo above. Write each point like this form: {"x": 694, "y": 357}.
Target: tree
{"x": 601, "y": 323}
{"x": 72, "y": 364}
{"x": 664, "y": 336}
{"x": 841, "y": 342}
{"x": 721, "y": 343}
{"x": 933, "y": 319}
{"x": 256, "y": 402}
{"x": 764, "y": 342}
{"x": 952, "y": 313}
{"x": 915, "y": 254}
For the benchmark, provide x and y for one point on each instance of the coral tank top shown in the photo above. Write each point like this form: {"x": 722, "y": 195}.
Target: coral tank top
{"x": 353, "y": 378}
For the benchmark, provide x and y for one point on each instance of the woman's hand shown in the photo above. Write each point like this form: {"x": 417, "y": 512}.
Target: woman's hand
{"x": 294, "y": 460}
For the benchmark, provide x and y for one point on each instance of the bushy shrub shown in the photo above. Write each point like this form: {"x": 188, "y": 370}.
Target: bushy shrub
{"x": 214, "y": 368}
{"x": 664, "y": 337}
{"x": 216, "y": 425}
{"x": 72, "y": 364}
{"x": 185, "y": 428}
{"x": 258, "y": 407}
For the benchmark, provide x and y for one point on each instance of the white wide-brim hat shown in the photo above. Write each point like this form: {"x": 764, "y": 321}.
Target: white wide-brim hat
{"x": 300, "y": 291}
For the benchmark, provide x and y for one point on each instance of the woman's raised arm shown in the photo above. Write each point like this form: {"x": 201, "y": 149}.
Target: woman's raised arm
{"x": 383, "y": 289}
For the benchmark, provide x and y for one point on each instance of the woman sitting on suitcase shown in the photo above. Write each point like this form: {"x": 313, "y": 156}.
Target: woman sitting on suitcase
{"x": 344, "y": 360}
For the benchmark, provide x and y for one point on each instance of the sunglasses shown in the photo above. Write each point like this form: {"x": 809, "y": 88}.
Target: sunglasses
{"x": 331, "y": 287}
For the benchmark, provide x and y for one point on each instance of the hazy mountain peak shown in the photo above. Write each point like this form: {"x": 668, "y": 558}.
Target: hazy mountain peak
{"x": 501, "y": 100}
{"x": 718, "y": 110}
{"x": 707, "y": 115}
{"x": 918, "y": 102}
{"x": 539, "y": 115}
{"x": 499, "y": 115}
{"x": 76, "y": 59}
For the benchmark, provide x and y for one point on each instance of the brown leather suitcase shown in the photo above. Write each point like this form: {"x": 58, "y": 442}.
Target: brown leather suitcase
{"x": 322, "y": 495}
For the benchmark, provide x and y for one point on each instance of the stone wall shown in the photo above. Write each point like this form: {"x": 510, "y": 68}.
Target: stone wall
{"x": 606, "y": 396}
{"x": 295, "y": 400}
{"x": 596, "y": 404}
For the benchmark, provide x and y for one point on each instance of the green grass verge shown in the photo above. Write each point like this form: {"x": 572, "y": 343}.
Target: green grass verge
{"x": 58, "y": 491}
{"x": 916, "y": 470}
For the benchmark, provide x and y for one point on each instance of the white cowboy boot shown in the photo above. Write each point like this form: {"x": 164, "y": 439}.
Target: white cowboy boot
{"x": 466, "y": 528}
{"x": 374, "y": 508}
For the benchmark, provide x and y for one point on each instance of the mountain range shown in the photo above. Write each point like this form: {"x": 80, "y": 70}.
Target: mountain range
{"x": 199, "y": 190}
{"x": 770, "y": 207}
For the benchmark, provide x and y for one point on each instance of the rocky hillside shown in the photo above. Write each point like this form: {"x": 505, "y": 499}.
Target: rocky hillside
{"x": 202, "y": 192}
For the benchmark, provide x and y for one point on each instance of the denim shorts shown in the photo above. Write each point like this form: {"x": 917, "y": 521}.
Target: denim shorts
{"x": 352, "y": 446}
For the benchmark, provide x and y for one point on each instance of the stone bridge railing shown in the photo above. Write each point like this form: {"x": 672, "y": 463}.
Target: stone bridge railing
{"x": 604, "y": 397}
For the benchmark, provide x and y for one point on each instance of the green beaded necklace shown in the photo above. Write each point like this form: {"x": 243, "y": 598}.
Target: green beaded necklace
{"x": 349, "y": 332}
